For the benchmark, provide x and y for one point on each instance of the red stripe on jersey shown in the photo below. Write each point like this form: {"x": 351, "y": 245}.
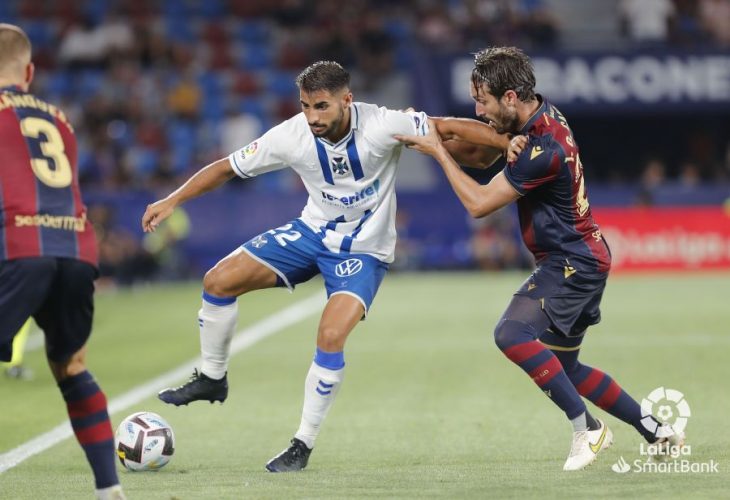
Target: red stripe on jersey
{"x": 18, "y": 184}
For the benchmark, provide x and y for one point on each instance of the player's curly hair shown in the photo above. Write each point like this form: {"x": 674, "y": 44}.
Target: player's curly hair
{"x": 323, "y": 75}
{"x": 502, "y": 69}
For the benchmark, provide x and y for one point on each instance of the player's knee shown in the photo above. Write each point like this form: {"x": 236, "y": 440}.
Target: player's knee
{"x": 70, "y": 367}
{"x": 331, "y": 339}
{"x": 509, "y": 332}
{"x": 214, "y": 283}
{"x": 569, "y": 360}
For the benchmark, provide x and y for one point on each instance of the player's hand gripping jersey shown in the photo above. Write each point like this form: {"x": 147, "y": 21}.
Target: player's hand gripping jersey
{"x": 351, "y": 184}
{"x": 555, "y": 216}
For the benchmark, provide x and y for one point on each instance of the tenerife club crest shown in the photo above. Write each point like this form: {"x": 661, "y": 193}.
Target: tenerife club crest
{"x": 259, "y": 241}
{"x": 339, "y": 165}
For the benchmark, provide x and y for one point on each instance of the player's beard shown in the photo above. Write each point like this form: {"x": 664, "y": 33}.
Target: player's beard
{"x": 507, "y": 122}
{"x": 332, "y": 128}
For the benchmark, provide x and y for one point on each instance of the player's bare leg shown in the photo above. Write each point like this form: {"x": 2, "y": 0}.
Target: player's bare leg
{"x": 323, "y": 380}
{"x": 87, "y": 410}
{"x": 236, "y": 274}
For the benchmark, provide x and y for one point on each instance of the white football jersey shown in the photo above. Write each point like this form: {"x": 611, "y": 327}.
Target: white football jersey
{"x": 351, "y": 184}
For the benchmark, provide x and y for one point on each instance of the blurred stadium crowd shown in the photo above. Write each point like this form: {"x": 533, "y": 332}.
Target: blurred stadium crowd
{"x": 158, "y": 88}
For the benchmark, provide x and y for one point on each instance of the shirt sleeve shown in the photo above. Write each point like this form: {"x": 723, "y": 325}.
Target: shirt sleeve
{"x": 265, "y": 154}
{"x": 400, "y": 123}
{"x": 539, "y": 163}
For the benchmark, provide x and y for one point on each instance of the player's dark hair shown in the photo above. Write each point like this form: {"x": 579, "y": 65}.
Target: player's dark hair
{"x": 323, "y": 75}
{"x": 502, "y": 69}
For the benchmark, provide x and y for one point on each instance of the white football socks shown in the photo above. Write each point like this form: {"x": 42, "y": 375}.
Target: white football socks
{"x": 320, "y": 388}
{"x": 217, "y": 323}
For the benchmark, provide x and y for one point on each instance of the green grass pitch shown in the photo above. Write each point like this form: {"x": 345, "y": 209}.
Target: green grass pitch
{"x": 429, "y": 408}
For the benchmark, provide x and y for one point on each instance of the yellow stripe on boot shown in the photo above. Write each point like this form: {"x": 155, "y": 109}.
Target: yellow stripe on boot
{"x": 14, "y": 368}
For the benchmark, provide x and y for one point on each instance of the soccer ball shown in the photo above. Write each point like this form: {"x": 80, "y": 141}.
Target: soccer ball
{"x": 144, "y": 441}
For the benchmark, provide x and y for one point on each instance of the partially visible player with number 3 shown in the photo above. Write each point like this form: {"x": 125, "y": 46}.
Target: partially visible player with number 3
{"x": 48, "y": 251}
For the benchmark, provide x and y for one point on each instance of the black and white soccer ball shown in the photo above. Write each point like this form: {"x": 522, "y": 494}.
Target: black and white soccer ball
{"x": 144, "y": 441}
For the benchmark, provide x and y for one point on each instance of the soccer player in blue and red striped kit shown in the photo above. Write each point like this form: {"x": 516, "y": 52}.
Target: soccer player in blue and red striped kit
{"x": 545, "y": 323}
{"x": 48, "y": 252}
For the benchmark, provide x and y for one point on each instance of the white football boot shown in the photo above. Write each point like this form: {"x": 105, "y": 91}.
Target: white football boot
{"x": 111, "y": 493}
{"x": 586, "y": 445}
{"x": 670, "y": 441}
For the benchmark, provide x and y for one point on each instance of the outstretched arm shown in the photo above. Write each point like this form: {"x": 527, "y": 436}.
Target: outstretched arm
{"x": 477, "y": 199}
{"x": 471, "y": 155}
{"x": 471, "y": 142}
{"x": 206, "y": 179}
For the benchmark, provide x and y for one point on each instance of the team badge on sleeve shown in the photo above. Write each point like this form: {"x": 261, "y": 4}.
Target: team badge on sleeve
{"x": 420, "y": 122}
{"x": 249, "y": 150}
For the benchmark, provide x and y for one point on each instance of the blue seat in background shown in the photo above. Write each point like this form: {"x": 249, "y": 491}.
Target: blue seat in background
{"x": 210, "y": 9}
{"x": 145, "y": 161}
{"x": 59, "y": 83}
{"x": 213, "y": 108}
{"x": 96, "y": 9}
{"x": 256, "y": 108}
{"x": 256, "y": 56}
{"x": 176, "y": 8}
{"x": 281, "y": 84}
{"x": 42, "y": 34}
{"x": 397, "y": 29}
{"x": 251, "y": 32}
{"x": 211, "y": 83}
{"x": 89, "y": 83}
{"x": 179, "y": 28}
{"x": 7, "y": 12}
{"x": 181, "y": 141}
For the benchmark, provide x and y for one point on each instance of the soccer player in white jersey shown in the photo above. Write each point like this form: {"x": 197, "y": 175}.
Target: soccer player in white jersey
{"x": 346, "y": 155}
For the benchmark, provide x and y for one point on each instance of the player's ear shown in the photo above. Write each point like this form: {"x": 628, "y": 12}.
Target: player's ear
{"x": 346, "y": 99}
{"x": 29, "y": 72}
{"x": 510, "y": 97}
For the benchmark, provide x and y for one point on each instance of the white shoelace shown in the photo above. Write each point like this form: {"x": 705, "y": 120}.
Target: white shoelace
{"x": 580, "y": 440}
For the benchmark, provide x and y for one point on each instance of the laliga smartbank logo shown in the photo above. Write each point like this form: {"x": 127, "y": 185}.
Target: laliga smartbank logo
{"x": 667, "y": 406}
{"x": 665, "y": 413}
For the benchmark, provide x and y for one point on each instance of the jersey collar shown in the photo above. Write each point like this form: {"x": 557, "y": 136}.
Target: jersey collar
{"x": 11, "y": 88}
{"x": 538, "y": 112}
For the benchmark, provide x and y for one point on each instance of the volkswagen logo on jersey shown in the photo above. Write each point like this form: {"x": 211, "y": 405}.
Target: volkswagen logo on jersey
{"x": 339, "y": 165}
{"x": 348, "y": 267}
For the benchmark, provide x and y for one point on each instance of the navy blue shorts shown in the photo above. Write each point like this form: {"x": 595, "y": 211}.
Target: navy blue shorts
{"x": 57, "y": 292}
{"x": 296, "y": 254}
{"x": 569, "y": 296}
